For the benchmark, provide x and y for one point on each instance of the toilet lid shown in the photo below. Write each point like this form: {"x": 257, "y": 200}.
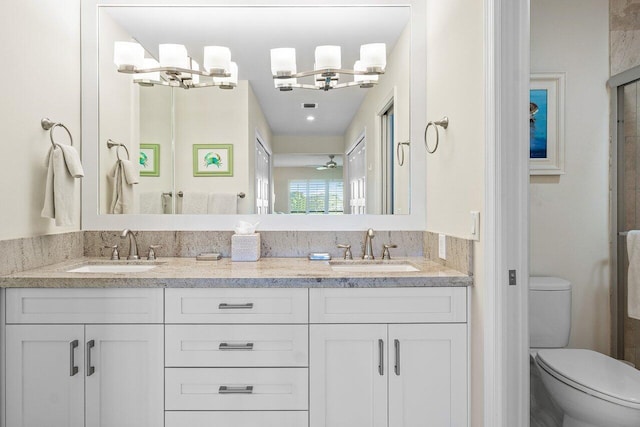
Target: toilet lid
{"x": 595, "y": 372}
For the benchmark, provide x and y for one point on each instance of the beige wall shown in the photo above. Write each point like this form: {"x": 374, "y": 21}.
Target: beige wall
{"x": 42, "y": 39}
{"x": 308, "y": 144}
{"x": 569, "y": 213}
{"x": 455, "y": 173}
{"x": 257, "y": 125}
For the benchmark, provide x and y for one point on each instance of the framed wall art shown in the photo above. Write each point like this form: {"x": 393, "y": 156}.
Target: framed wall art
{"x": 149, "y": 160}
{"x": 546, "y": 124}
{"x": 212, "y": 160}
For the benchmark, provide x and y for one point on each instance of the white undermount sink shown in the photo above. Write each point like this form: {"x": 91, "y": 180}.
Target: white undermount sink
{"x": 372, "y": 267}
{"x": 112, "y": 268}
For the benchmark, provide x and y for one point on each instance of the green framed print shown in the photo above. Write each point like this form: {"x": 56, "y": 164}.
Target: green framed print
{"x": 212, "y": 160}
{"x": 149, "y": 160}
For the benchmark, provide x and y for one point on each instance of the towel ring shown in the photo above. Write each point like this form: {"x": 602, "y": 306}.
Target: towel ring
{"x": 444, "y": 123}
{"x": 400, "y": 152}
{"x": 50, "y": 126}
{"x": 111, "y": 143}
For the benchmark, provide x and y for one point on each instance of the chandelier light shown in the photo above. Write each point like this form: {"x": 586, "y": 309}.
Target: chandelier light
{"x": 328, "y": 67}
{"x": 176, "y": 68}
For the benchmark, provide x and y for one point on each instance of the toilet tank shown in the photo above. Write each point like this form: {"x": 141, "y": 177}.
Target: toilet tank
{"x": 549, "y": 312}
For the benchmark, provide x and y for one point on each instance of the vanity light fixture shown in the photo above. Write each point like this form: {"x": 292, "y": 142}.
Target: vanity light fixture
{"x": 328, "y": 67}
{"x": 175, "y": 67}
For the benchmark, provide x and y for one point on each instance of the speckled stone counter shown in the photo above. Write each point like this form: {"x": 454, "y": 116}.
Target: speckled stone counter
{"x": 268, "y": 272}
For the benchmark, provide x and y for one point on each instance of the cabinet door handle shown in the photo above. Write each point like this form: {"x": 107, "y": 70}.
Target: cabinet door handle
{"x": 396, "y": 367}
{"x": 225, "y": 389}
{"x": 381, "y": 357}
{"x": 227, "y": 346}
{"x": 226, "y": 306}
{"x": 73, "y": 369}
{"x": 90, "y": 368}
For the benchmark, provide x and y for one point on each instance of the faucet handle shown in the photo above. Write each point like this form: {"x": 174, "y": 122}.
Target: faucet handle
{"x": 152, "y": 252}
{"x": 385, "y": 250}
{"x": 347, "y": 251}
{"x": 115, "y": 255}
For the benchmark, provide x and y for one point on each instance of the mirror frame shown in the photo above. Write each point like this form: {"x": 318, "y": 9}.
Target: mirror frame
{"x": 92, "y": 220}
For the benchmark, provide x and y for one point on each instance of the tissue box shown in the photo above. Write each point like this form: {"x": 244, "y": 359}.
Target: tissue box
{"x": 245, "y": 247}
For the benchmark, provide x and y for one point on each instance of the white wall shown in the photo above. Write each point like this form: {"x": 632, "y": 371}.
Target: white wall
{"x": 308, "y": 144}
{"x": 455, "y": 173}
{"x": 43, "y": 40}
{"x": 393, "y": 84}
{"x": 569, "y": 214}
{"x": 257, "y": 125}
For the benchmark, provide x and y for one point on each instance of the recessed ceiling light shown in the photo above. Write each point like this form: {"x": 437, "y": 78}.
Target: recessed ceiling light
{"x": 310, "y": 118}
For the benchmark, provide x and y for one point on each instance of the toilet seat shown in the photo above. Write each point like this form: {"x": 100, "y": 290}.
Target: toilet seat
{"x": 593, "y": 373}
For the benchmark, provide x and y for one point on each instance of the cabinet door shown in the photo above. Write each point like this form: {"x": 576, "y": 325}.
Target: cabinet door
{"x": 428, "y": 375}
{"x": 348, "y": 376}
{"x": 43, "y": 389}
{"x": 124, "y": 382}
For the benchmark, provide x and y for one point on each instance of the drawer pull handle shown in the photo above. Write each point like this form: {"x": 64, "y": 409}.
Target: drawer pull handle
{"x": 225, "y": 389}
{"x": 73, "y": 369}
{"x": 90, "y": 368}
{"x": 381, "y": 357}
{"x": 397, "y": 365}
{"x": 226, "y": 306}
{"x": 227, "y": 346}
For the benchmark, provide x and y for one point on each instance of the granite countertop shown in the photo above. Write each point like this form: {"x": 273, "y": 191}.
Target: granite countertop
{"x": 268, "y": 272}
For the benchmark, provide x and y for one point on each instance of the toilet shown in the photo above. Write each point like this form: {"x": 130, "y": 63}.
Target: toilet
{"x": 593, "y": 390}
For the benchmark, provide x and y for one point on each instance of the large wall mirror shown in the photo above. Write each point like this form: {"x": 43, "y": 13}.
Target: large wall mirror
{"x": 253, "y": 150}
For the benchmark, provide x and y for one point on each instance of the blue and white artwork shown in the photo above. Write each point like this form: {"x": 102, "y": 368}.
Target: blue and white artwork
{"x": 538, "y": 114}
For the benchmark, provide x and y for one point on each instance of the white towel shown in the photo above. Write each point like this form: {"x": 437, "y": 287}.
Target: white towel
{"x": 122, "y": 195}
{"x": 150, "y": 202}
{"x": 72, "y": 160}
{"x": 223, "y": 203}
{"x": 59, "y": 192}
{"x": 194, "y": 202}
{"x": 633, "y": 278}
{"x": 130, "y": 172}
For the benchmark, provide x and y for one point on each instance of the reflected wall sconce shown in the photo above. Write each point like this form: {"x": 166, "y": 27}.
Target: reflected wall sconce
{"x": 328, "y": 67}
{"x": 176, "y": 68}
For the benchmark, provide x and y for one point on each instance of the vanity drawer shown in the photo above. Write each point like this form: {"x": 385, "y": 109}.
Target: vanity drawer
{"x": 237, "y": 419}
{"x": 236, "y": 345}
{"x": 236, "y": 389}
{"x": 388, "y": 305}
{"x": 255, "y": 305}
{"x": 37, "y": 305}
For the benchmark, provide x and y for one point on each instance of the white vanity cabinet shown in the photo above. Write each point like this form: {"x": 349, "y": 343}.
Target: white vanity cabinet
{"x": 370, "y": 367}
{"x": 62, "y": 370}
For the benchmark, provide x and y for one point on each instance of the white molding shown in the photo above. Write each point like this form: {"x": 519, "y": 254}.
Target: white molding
{"x": 506, "y": 367}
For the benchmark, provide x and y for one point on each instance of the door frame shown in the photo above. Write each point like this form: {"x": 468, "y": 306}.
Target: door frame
{"x": 506, "y": 219}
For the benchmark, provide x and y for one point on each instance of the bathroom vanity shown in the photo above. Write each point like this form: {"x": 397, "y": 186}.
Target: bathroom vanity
{"x": 280, "y": 342}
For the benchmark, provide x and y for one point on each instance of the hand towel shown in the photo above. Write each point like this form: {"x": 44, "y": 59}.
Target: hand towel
{"x": 72, "y": 160}
{"x": 633, "y": 278}
{"x": 122, "y": 194}
{"x": 150, "y": 202}
{"x": 223, "y": 203}
{"x": 59, "y": 192}
{"x": 130, "y": 172}
{"x": 194, "y": 202}
{"x": 167, "y": 205}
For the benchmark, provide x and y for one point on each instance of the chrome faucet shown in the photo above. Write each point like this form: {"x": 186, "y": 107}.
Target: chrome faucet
{"x": 368, "y": 247}
{"x": 133, "y": 244}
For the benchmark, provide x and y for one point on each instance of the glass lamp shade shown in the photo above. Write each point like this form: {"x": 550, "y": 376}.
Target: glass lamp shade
{"x": 283, "y": 61}
{"x": 128, "y": 54}
{"x": 373, "y": 55}
{"x": 328, "y": 57}
{"x": 359, "y": 66}
{"x": 231, "y": 81}
{"x": 148, "y": 63}
{"x": 217, "y": 59}
{"x": 173, "y": 55}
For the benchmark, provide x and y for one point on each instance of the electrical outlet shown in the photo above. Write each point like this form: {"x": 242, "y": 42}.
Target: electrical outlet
{"x": 475, "y": 225}
{"x": 442, "y": 246}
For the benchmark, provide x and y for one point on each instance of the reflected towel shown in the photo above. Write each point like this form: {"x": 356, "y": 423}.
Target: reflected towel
{"x": 633, "y": 278}
{"x": 167, "y": 206}
{"x": 223, "y": 203}
{"x": 194, "y": 202}
{"x": 150, "y": 202}
{"x": 122, "y": 194}
{"x": 59, "y": 195}
{"x": 130, "y": 172}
